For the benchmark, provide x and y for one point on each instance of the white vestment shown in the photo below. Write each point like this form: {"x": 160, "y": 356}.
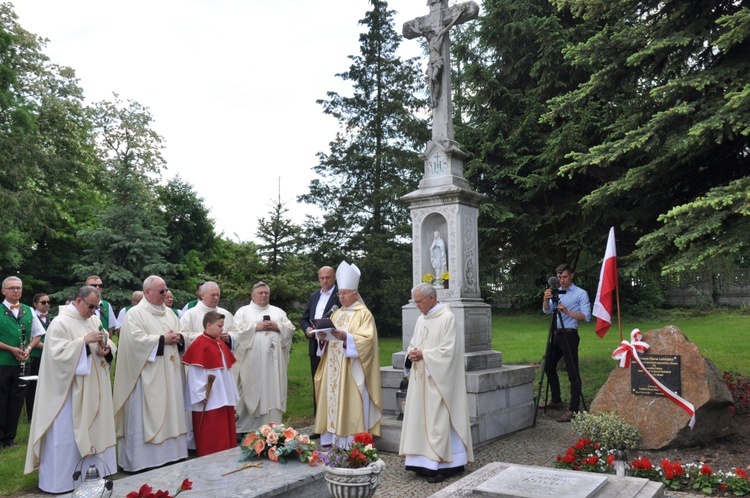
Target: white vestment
{"x": 261, "y": 369}
{"x": 74, "y": 400}
{"x": 148, "y": 396}
{"x": 191, "y": 323}
{"x": 436, "y": 432}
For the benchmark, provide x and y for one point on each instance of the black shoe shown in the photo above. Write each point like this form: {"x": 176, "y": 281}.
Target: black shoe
{"x": 438, "y": 477}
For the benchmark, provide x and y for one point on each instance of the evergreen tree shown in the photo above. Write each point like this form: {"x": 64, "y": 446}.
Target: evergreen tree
{"x": 370, "y": 165}
{"x": 669, "y": 90}
{"x": 510, "y": 68}
{"x": 128, "y": 241}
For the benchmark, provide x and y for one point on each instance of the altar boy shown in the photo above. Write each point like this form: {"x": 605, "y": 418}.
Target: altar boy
{"x": 211, "y": 391}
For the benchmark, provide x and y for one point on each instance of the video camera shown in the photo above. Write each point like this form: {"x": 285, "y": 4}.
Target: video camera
{"x": 554, "y": 285}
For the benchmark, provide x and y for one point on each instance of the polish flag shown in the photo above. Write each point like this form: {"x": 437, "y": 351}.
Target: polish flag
{"x": 607, "y": 285}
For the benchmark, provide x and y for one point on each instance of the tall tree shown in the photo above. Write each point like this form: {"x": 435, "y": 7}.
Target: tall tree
{"x": 510, "y": 68}
{"x": 47, "y": 166}
{"x": 129, "y": 241}
{"x": 669, "y": 87}
{"x": 371, "y": 163}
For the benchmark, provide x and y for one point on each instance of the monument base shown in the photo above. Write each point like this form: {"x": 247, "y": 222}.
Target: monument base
{"x": 507, "y": 480}
{"x": 500, "y": 402}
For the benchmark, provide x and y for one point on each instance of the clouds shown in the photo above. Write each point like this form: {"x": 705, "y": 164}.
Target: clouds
{"x": 232, "y": 84}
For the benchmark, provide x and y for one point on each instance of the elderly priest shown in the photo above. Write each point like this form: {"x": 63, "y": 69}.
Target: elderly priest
{"x": 436, "y": 435}
{"x": 74, "y": 397}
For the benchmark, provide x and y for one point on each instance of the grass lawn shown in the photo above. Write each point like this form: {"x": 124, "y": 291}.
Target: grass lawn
{"x": 521, "y": 338}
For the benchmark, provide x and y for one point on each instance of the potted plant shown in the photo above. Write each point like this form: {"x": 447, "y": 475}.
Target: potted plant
{"x": 353, "y": 471}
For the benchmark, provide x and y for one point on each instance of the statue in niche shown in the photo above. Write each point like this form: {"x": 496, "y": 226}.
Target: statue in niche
{"x": 438, "y": 258}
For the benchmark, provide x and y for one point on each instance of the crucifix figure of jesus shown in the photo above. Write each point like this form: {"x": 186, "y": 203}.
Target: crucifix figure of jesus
{"x": 435, "y": 28}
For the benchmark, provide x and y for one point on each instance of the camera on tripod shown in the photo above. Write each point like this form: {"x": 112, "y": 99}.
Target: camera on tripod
{"x": 554, "y": 285}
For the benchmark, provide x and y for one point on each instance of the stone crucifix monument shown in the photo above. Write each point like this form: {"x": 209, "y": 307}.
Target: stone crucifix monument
{"x": 444, "y": 213}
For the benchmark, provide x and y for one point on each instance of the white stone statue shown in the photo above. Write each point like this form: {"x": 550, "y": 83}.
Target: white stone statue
{"x": 438, "y": 258}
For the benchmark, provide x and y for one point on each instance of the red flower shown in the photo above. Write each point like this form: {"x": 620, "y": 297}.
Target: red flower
{"x": 592, "y": 460}
{"x": 363, "y": 438}
{"x": 669, "y": 473}
{"x": 678, "y": 470}
{"x": 186, "y": 485}
{"x": 647, "y": 465}
{"x": 706, "y": 471}
{"x": 665, "y": 463}
{"x": 741, "y": 473}
{"x": 162, "y": 494}
{"x": 144, "y": 491}
{"x": 579, "y": 444}
{"x": 357, "y": 458}
{"x": 610, "y": 459}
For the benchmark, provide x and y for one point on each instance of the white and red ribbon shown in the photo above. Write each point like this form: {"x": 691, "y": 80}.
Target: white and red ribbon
{"x": 628, "y": 351}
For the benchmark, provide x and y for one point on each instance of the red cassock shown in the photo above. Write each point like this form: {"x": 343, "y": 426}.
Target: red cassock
{"x": 217, "y": 429}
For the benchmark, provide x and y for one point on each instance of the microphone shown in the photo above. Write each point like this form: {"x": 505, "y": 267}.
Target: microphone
{"x": 330, "y": 312}
{"x": 553, "y": 283}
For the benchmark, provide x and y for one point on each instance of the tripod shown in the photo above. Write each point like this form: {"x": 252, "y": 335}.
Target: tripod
{"x": 571, "y": 366}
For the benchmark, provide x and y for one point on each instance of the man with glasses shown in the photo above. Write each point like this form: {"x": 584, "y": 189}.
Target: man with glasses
{"x": 105, "y": 312}
{"x": 573, "y": 307}
{"x": 74, "y": 386}
{"x": 347, "y": 383}
{"x": 148, "y": 396}
{"x": 20, "y": 331}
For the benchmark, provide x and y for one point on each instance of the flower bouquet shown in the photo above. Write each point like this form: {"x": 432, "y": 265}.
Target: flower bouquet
{"x": 278, "y": 442}
{"x": 353, "y": 470}
{"x": 359, "y": 453}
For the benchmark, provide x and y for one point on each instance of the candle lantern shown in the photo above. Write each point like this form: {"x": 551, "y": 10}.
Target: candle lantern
{"x": 92, "y": 484}
{"x": 621, "y": 463}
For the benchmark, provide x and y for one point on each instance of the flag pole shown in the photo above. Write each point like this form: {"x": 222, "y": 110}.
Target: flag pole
{"x": 619, "y": 318}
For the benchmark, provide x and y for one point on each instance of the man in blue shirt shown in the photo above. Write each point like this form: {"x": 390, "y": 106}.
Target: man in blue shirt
{"x": 573, "y": 306}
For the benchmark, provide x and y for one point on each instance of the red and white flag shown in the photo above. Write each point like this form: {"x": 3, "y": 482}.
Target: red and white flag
{"x": 607, "y": 285}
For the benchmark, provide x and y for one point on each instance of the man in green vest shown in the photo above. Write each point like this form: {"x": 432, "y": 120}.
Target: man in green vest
{"x": 105, "y": 311}
{"x": 20, "y": 331}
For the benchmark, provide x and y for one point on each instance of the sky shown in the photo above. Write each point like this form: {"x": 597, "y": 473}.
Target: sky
{"x": 232, "y": 85}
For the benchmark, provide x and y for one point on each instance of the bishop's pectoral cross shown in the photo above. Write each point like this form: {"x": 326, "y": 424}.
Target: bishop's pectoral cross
{"x": 435, "y": 28}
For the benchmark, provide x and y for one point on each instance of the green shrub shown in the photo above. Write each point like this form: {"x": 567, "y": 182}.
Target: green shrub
{"x": 607, "y": 429}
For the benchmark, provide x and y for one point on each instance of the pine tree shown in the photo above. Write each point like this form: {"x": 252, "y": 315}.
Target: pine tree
{"x": 371, "y": 163}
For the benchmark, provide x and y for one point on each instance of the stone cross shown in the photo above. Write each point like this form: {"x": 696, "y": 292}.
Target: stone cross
{"x": 435, "y": 28}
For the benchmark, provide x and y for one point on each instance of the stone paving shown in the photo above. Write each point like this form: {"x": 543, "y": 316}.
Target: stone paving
{"x": 533, "y": 446}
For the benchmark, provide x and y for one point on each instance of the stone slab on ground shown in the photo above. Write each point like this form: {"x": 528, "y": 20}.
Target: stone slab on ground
{"x": 272, "y": 479}
{"x": 537, "y": 482}
{"x": 615, "y": 487}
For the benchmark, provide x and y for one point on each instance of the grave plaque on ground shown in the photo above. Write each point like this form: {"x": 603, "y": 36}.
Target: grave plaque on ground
{"x": 536, "y": 482}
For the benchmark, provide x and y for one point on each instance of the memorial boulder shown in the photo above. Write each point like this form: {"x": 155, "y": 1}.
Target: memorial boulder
{"x": 661, "y": 422}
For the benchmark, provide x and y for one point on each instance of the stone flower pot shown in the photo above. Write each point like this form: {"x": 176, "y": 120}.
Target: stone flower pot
{"x": 354, "y": 483}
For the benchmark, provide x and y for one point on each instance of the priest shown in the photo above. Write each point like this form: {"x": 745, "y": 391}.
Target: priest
{"x": 74, "y": 397}
{"x": 148, "y": 396}
{"x": 347, "y": 383}
{"x": 436, "y": 433}
{"x": 191, "y": 321}
{"x": 265, "y": 339}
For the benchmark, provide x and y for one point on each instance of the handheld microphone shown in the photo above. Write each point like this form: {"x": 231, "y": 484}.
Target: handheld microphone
{"x": 553, "y": 283}
{"x": 330, "y": 312}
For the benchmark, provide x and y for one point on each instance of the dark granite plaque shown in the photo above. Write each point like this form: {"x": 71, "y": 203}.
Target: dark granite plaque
{"x": 664, "y": 367}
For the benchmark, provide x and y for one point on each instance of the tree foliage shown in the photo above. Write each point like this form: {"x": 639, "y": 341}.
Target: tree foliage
{"x": 129, "y": 240}
{"x": 371, "y": 163}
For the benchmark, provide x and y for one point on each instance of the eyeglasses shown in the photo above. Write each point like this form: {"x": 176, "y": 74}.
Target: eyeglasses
{"x": 92, "y": 306}
{"x": 100, "y": 286}
{"x": 44, "y": 303}
{"x": 160, "y": 291}
{"x": 14, "y": 288}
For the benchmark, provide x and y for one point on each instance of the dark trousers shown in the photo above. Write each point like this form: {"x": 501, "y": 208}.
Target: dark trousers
{"x": 31, "y": 369}
{"x": 12, "y": 396}
{"x": 564, "y": 345}
{"x": 314, "y": 362}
